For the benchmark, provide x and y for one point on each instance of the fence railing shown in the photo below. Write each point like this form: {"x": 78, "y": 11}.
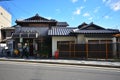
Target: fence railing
{"x": 103, "y": 50}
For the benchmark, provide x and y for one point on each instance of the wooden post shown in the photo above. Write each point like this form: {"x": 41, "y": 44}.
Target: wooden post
{"x": 69, "y": 49}
{"x": 87, "y": 50}
{"x": 106, "y": 50}
{"x": 74, "y": 49}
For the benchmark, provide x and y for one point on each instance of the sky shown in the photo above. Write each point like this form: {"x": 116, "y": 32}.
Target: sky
{"x": 105, "y": 13}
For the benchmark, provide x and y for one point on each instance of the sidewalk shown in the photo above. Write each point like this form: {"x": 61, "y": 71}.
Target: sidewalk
{"x": 68, "y": 62}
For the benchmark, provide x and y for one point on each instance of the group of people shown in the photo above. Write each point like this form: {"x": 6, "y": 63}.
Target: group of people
{"x": 22, "y": 52}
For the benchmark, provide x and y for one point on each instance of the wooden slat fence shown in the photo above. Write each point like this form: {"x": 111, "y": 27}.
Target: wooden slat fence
{"x": 104, "y": 50}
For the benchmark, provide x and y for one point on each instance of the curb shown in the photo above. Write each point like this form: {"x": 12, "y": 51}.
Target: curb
{"x": 64, "y": 63}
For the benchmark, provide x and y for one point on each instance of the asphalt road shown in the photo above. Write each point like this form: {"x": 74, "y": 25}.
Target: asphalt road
{"x": 40, "y": 71}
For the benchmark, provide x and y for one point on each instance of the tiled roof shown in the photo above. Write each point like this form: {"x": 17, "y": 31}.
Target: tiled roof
{"x": 82, "y": 25}
{"x": 85, "y": 26}
{"x": 59, "y": 31}
{"x": 36, "y": 18}
{"x": 35, "y": 21}
{"x": 41, "y": 30}
{"x": 94, "y": 31}
{"x": 62, "y": 24}
{"x": 64, "y": 31}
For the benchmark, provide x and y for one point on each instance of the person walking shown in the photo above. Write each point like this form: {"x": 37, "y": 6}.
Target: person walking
{"x": 25, "y": 51}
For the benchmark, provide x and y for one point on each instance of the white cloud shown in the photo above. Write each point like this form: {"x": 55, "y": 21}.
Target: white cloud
{"x": 74, "y": 1}
{"x": 58, "y": 10}
{"x": 107, "y": 17}
{"x": 91, "y": 18}
{"x": 96, "y": 9}
{"x": 72, "y": 18}
{"x": 84, "y": 0}
{"x": 77, "y": 11}
{"x": 49, "y": 18}
{"x": 86, "y": 14}
{"x": 108, "y": 1}
{"x": 104, "y": 1}
{"x": 113, "y": 4}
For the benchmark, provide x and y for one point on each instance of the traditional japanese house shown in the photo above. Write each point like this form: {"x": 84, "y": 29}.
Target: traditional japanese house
{"x": 86, "y": 40}
{"x": 34, "y": 32}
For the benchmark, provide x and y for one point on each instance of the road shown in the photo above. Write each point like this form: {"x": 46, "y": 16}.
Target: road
{"x": 40, "y": 71}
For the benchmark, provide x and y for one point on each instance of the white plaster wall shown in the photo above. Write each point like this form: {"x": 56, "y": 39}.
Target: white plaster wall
{"x": 87, "y": 39}
{"x": 5, "y": 18}
{"x": 114, "y": 46}
{"x": 60, "y": 38}
{"x": 80, "y": 38}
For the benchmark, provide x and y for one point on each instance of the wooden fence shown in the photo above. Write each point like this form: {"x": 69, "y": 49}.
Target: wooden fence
{"x": 104, "y": 50}
{"x": 118, "y": 50}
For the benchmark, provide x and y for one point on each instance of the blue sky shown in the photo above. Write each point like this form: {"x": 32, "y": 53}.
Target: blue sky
{"x": 105, "y": 13}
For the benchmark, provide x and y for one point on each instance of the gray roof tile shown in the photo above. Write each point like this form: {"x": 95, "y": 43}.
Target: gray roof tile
{"x": 62, "y": 23}
{"x": 94, "y": 31}
{"x": 60, "y": 31}
{"x": 64, "y": 31}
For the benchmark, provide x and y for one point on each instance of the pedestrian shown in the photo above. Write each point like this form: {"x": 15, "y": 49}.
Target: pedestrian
{"x": 8, "y": 53}
{"x": 25, "y": 51}
{"x": 20, "y": 51}
{"x": 16, "y": 52}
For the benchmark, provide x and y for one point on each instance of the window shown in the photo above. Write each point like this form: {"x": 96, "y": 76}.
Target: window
{"x": 1, "y": 13}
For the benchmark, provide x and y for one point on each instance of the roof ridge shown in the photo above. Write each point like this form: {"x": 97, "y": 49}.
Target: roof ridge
{"x": 88, "y": 25}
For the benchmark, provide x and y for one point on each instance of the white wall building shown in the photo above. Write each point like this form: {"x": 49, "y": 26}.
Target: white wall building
{"x": 5, "y": 20}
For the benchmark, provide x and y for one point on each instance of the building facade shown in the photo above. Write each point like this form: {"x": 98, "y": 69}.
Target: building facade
{"x": 5, "y": 20}
{"x": 83, "y": 34}
{"x": 117, "y": 36}
{"x": 33, "y": 31}
{"x": 44, "y": 37}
